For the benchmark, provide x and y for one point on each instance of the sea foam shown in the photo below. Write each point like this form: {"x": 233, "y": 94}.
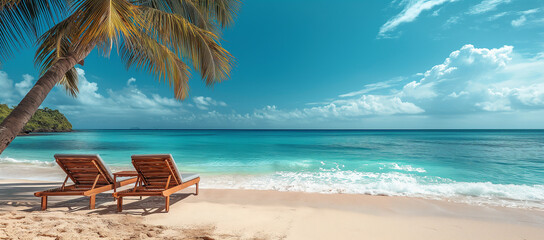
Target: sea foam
{"x": 390, "y": 184}
{"x": 391, "y": 179}
{"x": 38, "y": 163}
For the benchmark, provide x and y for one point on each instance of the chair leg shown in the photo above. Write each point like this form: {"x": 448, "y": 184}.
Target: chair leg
{"x": 92, "y": 201}
{"x": 196, "y": 189}
{"x": 44, "y": 203}
{"x": 167, "y": 204}
{"x": 119, "y": 204}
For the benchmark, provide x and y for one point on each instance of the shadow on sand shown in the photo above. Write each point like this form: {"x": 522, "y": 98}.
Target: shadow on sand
{"x": 22, "y": 195}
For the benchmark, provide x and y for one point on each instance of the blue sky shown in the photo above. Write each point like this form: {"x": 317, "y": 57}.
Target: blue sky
{"x": 344, "y": 64}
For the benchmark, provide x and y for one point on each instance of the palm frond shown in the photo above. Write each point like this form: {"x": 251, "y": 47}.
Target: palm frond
{"x": 105, "y": 21}
{"x": 201, "y": 47}
{"x": 153, "y": 35}
{"x": 55, "y": 44}
{"x": 183, "y": 8}
{"x": 21, "y": 21}
{"x": 223, "y": 11}
{"x": 146, "y": 53}
{"x": 70, "y": 82}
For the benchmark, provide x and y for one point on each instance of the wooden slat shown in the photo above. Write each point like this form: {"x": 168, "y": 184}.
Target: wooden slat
{"x": 149, "y": 162}
{"x": 79, "y": 161}
{"x": 81, "y": 167}
{"x": 83, "y": 170}
{"x": 85, "y": 174}
{"x": 150, "y": 167}
{"x": 86, "y": 162}
{"x": 155, "y": 171}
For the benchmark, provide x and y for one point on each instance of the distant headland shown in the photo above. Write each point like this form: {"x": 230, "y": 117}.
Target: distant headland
{"x": 44, "y": 120}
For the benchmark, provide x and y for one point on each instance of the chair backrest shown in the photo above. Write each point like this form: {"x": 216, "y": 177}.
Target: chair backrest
{"x": 154, "y": 169}
{"x": 82, "y": 169}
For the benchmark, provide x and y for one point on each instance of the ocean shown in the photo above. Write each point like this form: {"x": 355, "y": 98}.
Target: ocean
{"x": 489, "y": 167}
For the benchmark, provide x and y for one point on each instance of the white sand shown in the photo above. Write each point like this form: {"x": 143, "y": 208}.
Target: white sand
{"x": 246, "y": 214}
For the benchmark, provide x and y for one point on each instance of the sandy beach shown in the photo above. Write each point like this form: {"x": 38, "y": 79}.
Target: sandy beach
{"x": 250, "y": 214}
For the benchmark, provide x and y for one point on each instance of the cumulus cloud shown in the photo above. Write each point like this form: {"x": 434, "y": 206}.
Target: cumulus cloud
{"x": 120, "y": 108}
{"x": 6, "y": 84}
{"x": 12, "y": 93}
{"x": 365, "y": 105}
{"x": 412, "y": 10}
{"x": 479, "y": 79}
{"x": 204, "y": 103}
{"x": 487, "y": 6}
{"x": 470, "y": 81}
{"x": 520, "y": 21}
{"x": 24, "y": 86}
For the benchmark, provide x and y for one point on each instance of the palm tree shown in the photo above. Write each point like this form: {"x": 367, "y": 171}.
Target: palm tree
{"x": 164, "y": 37}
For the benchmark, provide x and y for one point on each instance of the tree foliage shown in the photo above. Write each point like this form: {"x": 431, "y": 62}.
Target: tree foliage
{"x": 163, "y": 37}
{"x": 44, "y": 120}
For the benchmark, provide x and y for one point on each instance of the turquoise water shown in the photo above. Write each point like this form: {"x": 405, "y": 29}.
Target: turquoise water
{"x": 503, "y": 167}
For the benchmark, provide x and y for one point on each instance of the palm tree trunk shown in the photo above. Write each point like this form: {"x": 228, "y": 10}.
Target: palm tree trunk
{"x": 17, "y": 119}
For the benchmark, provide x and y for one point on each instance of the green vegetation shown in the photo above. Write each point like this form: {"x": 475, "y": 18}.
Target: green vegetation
{"x": 44, "y": 120}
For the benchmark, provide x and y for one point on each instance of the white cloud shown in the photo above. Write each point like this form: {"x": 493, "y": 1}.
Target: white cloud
{"x": 451, "y": 21}
{"x": 530, "y": 11}
{"x": 462, "y": 65}
{"x": 412, "y": 9}
{"x": 204, "y": 103}
{"x": 24, "y": 86}
{"x": 497, "y": 16}
{"x": 486, "y": 6}
{"x": 123, "y": 108}
{"x": 6, "y": 84}
{"x": 520, "y": 21}
{"x": 475, "y": 79}
{"x": 88, "y": 91}
{"x": 344, "y": 109}
{"x": 485, "y": 82}
{"x": 470, "y": 80}
{"x": 373, "y": 87}
{"x": 11, "y": 93}
{"x": 363, "y": 106}
{"x": 131, "y": 80}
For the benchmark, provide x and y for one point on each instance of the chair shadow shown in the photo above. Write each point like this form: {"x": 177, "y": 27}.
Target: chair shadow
{"x": 148, "y": 205}
{"x": 22, "y": 195}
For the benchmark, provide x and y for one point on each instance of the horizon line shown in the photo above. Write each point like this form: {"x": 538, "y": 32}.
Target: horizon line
{"x": 311, "y": 129}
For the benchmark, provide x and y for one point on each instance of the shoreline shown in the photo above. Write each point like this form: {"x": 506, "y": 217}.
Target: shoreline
{"x": 247, "y": 214}
{"x": 49, "y": 172}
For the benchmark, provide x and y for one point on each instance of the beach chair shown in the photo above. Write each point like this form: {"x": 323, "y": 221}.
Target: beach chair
{"x": 89, "y": 175}
{"x": 157, "y": 176}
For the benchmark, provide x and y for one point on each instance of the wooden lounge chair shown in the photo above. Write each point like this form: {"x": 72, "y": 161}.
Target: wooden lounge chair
{"x": 157, "y": 176}
{"x": 89, "y": 175}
